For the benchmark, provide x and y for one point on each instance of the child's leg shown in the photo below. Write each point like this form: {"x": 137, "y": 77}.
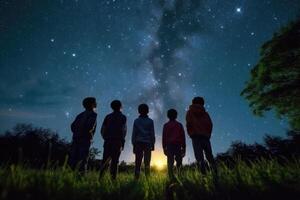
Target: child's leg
{"x": 138, "y": 160}
{"x": 73, "y": 155}
{"x": 147, "y": 159}
{"x": 170, "y": 158}
{"x": 84, "y": 150}
{"x": 105, "y": 160}
{"x": 208, "y": 154}
{"x": 178, "y": 158}
{"x": 115, "y": 155}
{"x": 198, "y": 151}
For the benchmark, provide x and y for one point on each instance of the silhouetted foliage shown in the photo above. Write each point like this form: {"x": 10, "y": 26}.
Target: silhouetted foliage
{"x": 37, "y": 147}
{"x": 34, "y": 146}
{"x": 274, "y": 147}
{"x": 275, "y": 80}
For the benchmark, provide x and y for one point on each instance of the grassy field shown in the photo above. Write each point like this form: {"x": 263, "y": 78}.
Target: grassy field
{"x": 261, "y": 180}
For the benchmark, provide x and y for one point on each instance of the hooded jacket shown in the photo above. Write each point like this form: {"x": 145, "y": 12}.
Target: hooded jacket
{"x": 173, "y": 133}
{"x": 198, "y": 122}
{"x": 143, "y": 130}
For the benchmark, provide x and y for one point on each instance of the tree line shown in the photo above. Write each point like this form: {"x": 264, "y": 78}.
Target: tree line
{"x": 38, "y": 147}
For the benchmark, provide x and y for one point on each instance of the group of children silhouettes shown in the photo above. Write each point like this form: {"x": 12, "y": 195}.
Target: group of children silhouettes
{"x": 113, "y": 132}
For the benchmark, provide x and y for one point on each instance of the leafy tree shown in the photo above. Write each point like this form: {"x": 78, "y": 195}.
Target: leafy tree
{"x": 275, "y": 80}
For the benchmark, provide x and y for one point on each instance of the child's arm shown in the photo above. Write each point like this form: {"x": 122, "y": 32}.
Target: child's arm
{"x": 210, "y": 123}
{"x": 91, "y": 125}
{"x": 124, "y": 132}
{"x": 189, "y": 123}
{"x": 133, "y": 136}
{"x": 74, "y": 124}
{"x": 164, "y": 145}
{"x": 92, "y": 131}
{"x": 183, "y": 141}
{"x": 103, "y": 128}
{"x": 152, "y": 135}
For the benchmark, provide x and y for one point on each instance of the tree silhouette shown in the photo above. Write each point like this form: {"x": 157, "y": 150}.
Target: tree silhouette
{"x": 274, "y": 147}
{"x": 36, "y": 147}
{"x": 39, "y": 147}
{"x": 275, "y": 80}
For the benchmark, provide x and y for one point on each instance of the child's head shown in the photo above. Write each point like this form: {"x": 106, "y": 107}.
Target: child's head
{"x": 89, "y": 103}
{"x": 172, "y": 114}
{"x": 143, "y": 109}
{"x": 116, "y": 105}
{"x": 198, "y": 100}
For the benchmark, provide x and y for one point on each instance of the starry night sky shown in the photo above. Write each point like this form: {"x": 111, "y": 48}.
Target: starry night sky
{"x": 56, "y": 52}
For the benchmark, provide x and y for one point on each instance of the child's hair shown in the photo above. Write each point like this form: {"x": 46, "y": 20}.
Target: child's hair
{"x": 198, "y": 100}
{"x": 89, "y": 103}
{"x": 116, "y": 105}
{"x": 172, "y": 114}
{"x": 143, "y": 109}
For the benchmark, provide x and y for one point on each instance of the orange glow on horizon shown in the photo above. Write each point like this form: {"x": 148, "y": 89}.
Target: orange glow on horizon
{"x": 158, "y": 160}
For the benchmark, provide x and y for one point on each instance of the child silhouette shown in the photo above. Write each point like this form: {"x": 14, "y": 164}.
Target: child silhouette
{"x": 173, "y": 141}
{"x": 83, "y": 128}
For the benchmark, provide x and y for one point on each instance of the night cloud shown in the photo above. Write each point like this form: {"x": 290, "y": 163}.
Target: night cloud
{"x": 34, "y": 93}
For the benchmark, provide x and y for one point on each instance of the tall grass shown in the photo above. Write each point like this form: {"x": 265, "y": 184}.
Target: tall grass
{"x": 259, "y": 180}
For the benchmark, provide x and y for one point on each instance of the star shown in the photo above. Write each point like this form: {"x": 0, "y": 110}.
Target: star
{"x": 67, "y": 114}
{"x": 74, "y": 54}
{"x": 238, "y": 10}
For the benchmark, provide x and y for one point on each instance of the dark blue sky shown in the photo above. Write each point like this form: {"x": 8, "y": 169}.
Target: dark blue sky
{"x": 56, "y": 52}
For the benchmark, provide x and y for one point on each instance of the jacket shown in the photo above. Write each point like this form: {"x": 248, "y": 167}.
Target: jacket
{"x": 114, "y": 127}
{"x": 198, "y": 122}
{"x": 84, "y": 125}
{"x": 173, "y": 133}
{"x": 143, "y": 130}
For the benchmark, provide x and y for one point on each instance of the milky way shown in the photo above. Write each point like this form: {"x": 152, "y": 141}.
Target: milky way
{"x": 178, "y": 20}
